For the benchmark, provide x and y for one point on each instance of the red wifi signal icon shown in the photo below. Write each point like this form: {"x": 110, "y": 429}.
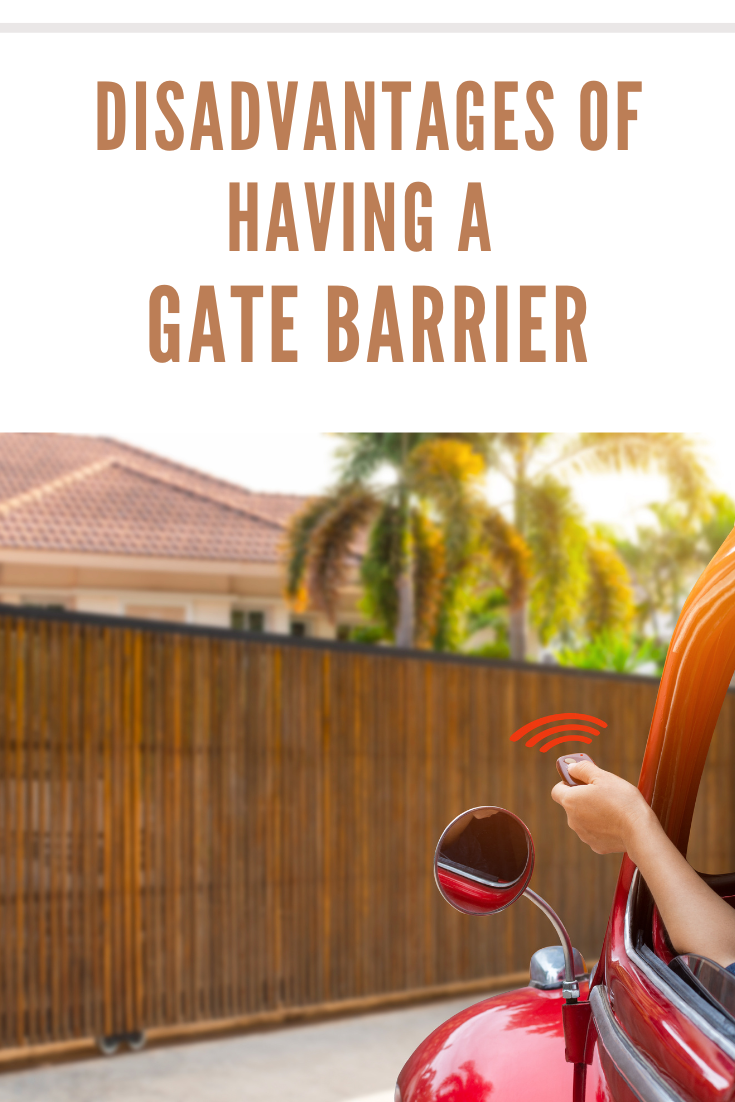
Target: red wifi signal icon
{"x": 539, "y": 736}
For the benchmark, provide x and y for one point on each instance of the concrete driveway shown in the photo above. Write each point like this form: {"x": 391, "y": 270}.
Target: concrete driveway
{"x": 335, "y": 1061}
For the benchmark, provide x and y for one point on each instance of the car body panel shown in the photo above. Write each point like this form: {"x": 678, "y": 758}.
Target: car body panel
{"x": 510, "y": 1046}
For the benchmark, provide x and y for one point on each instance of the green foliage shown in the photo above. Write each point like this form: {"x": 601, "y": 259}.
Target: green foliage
{"x": 557, "y": 539}
{"x": 718, "y": 523}
{"x": 446, "y": 475}
{"x": 581, "y": 583}
{"x": 300, "y": 538}
{"x": 499, "y": 649}
{"x": 669, "y": 552}
{"x": 321, "y": 539}
{"x": 616, "y": 651}
{"x": 488, "y": 608}
{"x": 508, "y": 556}
{"x": 380, "y": 569}
{"x": 370, "y": 634}
{"x": 362, "y": 455}
{"x": 429, "y": 579}
{"x": 608, "y": 601}
{"x": 421, "y": 529}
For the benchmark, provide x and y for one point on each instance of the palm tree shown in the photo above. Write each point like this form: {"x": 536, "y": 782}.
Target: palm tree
{"x": 566, "y": 562}
{"x": 430, "y": 536}
{"x": 425, "y": 523}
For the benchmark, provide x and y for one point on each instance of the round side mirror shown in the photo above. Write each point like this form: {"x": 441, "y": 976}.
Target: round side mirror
{"x": 484, "y": 860}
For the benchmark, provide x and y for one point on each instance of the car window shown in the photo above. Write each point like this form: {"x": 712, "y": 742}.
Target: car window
{"x": 709, "y": 979}
{"x": 715, "y": 1017}
{"x": 641, "y": 929}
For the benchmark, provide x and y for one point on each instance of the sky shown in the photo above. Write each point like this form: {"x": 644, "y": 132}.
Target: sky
{"x": 303, "y": 463}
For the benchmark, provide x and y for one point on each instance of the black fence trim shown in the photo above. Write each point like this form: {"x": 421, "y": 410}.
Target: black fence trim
{"x": 127, "y": 623}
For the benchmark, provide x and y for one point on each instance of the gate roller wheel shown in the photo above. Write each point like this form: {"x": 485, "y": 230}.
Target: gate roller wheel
{"x": 108, "y": 1046}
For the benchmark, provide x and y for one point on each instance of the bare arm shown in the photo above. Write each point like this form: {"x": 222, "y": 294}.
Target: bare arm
{"x": 611, "y": 816}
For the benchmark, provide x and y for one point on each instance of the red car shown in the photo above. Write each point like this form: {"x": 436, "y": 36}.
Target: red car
{"x": 647, "y": 1025}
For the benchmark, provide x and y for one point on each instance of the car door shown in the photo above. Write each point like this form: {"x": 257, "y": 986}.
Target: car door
{"x": 659, "y": 1041}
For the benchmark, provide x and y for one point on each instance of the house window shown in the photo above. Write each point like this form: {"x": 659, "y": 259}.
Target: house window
{"x": 299, "y": 628}
{"x": 52, "y": 604}
{"x": 245, "y": 620}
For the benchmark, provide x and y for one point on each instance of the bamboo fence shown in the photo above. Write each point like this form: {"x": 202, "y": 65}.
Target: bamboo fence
{"x": 197, "y": 825}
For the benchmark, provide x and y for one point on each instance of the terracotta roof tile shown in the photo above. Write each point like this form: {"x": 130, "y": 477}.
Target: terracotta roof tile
{"x": 88, "y": 494}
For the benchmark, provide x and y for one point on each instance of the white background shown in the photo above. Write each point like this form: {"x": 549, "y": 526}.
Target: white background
{"x": 646, "y": 234}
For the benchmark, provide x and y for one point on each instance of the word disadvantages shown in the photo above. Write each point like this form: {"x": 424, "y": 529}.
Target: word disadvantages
{"x": 461, "y": 322}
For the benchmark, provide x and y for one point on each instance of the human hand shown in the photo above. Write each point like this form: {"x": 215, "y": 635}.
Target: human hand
{"x": 605, "y": 811}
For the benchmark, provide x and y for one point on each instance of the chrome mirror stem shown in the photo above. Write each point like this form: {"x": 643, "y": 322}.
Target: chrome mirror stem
{"x": 570, "y": 987}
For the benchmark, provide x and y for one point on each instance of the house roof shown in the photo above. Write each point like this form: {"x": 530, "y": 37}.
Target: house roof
{"x": 91, "y": 494}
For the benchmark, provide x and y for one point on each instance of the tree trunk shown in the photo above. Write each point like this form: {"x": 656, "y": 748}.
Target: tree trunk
{"x": 519, "y": 612}
{"x": 405, "y": 627}
{"x": 518, "y": 632}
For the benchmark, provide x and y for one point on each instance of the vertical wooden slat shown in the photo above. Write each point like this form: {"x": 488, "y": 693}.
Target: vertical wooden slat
{"x": 20, "y": 884}
{"x": 156, "y": 827}
{"x": 108, "y": 906}
{"x": 8, "y": 880}
{"x": 325, "y": 839}
{"x": 135, "y": 829}
{"x": 89, "y": 833}
{"x": 6, "y": 994}
{"x": 172, "y": 827}
{"x": 275, "y": 810}
{"x": 33, "y": 889}
{"x": 55, "y": 833}
{"x": 75, "y": 834}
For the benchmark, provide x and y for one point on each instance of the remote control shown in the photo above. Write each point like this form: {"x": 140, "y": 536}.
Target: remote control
{"x": 562, "y": 770}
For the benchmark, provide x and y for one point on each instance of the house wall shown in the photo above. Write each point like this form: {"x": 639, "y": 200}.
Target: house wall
{"x": 199, "y": 592}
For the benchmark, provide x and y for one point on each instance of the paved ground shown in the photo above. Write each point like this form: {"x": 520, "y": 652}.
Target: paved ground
{"x": 346, "y": 1060}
